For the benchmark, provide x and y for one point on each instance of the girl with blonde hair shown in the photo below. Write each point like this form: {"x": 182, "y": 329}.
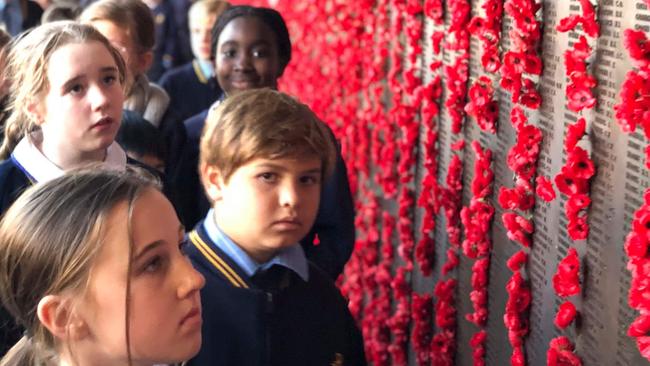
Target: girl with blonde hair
{"x": 91, "y": 268}
{"x": 66, "y": 92}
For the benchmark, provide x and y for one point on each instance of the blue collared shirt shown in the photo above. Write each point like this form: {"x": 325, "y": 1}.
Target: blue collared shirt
{"x": 206, "y": 68}
{"x": 292, "y": 257}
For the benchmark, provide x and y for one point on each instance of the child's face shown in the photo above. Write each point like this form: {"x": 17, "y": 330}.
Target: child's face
{"x": 82, "y": 107}
{"x": 267, "y": 204}
{"x": 201, "y": 34}
{"x": 165, "y": 307}
{"x": 123, "y": 42}
{"x": 247, "y": 56}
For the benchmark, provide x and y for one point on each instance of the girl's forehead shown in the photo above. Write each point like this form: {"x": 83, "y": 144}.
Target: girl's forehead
{"x": 248, "y": 25}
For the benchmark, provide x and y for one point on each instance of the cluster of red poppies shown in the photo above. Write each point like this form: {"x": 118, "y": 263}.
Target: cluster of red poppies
{"x": 482, "y": 104}
{"x": 573, "y": 181}
{"x": 566, "y": 283}
{"x": 633, "y": 112}
{"x": 428, "y": 200}
{"x": 348, "y": 89}
{"x": 429, "y": 114}
{"x": 422, "y": 307}
{"x": 477, "y": 220}
{"x": 636, "y": 247}
{"x": 521, "y": 64}
{"x": 523, "y": 61}
{"x": 443, "y": 344}
{"x": 634, "y": 108}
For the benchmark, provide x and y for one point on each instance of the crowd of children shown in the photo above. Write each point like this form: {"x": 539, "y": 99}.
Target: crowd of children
{"x": 129, "y": 206}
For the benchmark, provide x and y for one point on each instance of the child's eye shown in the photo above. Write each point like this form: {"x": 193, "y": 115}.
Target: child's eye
{"x": 310, "y": 179}
{"x": 153, "y": 265}
{"x": 75, "y": 89}
{"x": 229, "y": 53}
{"x": 109, "y": 79}
{"x": 268, "y": 177}
{"x": 260, "y": 53}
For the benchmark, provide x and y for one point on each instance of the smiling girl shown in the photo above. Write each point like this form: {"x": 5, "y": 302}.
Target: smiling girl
{"x": 91, "y": 267}
{"x": 66, "y": 100}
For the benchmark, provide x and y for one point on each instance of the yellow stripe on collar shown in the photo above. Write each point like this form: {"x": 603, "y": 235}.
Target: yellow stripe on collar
{"x": 199, "y": 72}
{"x": 216, "y": 261}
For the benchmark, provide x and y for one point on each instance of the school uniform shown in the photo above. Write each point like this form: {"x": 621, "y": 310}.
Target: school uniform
{"x": 183, "y": 45}
{"x": 191, "y": 88}
{"x": 164, "y": 50}
{"x": 284, "y": 312}
{"x": 26, "y": 166}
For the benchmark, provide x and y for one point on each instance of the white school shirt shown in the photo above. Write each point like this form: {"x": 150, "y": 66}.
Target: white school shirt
{"x": 39, "y": 168}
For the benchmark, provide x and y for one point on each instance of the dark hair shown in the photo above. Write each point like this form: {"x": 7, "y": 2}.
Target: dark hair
{"x": 134, "y": 15}
{"x": 63, "y": 10}
{"x": 138, "y": 136}
{"x": 270, "y": 17}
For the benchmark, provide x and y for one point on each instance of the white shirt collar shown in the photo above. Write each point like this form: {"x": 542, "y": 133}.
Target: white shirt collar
{"x": 40, "y": 169}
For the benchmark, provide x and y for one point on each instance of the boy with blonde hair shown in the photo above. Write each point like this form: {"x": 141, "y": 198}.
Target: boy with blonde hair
{"x": 263, "y": 158}
{"x": 192, "y": 87}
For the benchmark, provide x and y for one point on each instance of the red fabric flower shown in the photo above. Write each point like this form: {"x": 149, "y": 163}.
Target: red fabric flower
{"x": 575, "y": 132}
{"x": 565, "y": 315}
{"x": 568, "y": 184}
{"x": 566, "y": 281}
{"x": 575, "y": 204}
{"x": 544, "y": 188}
{"x": 578, "y": 228}
{"x": 579, "y": 164}
{"x": 517, "y": 261}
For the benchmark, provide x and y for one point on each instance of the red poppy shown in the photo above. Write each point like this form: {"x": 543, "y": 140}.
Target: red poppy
{"x": 517, "y": 261}
{"x": 575, "y": 132}
{"x": 544, "y": 188}
{"x": 518, "y": 118}
{"x": 636, "y": 245}
{"x": 569, "y": 184}
{"x": 452, "y": 261}
{"x": 580, "y": 97}
{"x": 565, "y": 315}
{"x": 576, "y": 203}
{"x": 578, "y": 228}
{"x": 637, "y": 44}
{"x": 560, "y": 353}
{"x": 566, "y": 281}
{"x": 569, "y": 23}
{"x": 640, "y": 326}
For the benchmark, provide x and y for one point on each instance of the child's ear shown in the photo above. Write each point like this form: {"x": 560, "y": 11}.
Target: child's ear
{"x": 35, "y": 112}
{"x": 56, "y": 314}
{"x": 212, "y": 181}
{"x": 145, "y": 59}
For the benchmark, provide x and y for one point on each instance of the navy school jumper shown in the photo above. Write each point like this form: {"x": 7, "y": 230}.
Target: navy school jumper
{"x": 304, "y": 323}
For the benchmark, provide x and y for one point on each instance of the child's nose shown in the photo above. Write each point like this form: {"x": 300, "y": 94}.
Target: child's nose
{"x": 243, "y": 61}
{"x": 190, "y": 279}
{"x": 98, "y": 97}
{"x": 288, "y": 195}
